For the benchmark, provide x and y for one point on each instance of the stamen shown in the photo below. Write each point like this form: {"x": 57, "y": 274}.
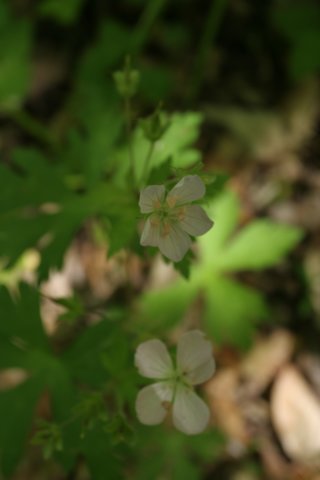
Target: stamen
{"x": 166, "y": 228}
{"x": 181, "y": 213}
{"x": 171, "y": 201}
{"x": 155, "y": 221}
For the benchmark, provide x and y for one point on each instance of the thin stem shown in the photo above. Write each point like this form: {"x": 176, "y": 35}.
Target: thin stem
{"x": 147, "y": 161}
{"x": 128, "y": 119}
{"x": 214, "y": 20}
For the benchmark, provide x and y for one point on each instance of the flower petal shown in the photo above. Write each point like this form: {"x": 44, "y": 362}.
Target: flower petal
{"x": 150, "y": 405}
{"x": 175, "y": 243}
{"x": 150, "y": 233}
{"x": 195, "y": 221}
{"x": 190, "y": 414}
{"x": 152, "y": 359}
{"x": 150, "y": 197}
{"x": 189, "y": 188}
{"x": 195, "y": 357}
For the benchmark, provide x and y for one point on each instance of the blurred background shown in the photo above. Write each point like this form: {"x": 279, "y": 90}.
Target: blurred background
{"x": 240, "y": 82}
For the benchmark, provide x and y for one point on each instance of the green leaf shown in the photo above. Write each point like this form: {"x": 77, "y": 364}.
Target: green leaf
{"x": 156, "y": 83}
{"x": 15, "y": 48}
{"x": 63, "y": 12}
{"x": 176, "y": 144}
{"x": 74, "y": 308}
{"x": 17, "y": 409}
{"x": 21, "y": 318}
{"x": 232, "y": 312}
{"x": 161, "y": 173}
{"x": 295, "y": 19}
{"x": 304, "y": 59}
{"x": 224, "y": 211}
{"x": 261, "y": 244}
{"x": 185, "y": 265}
{"x": 215, "y": 183}
{"x": 31, "y": 187}
{"x": 164, "y": 308}
{"x": 301, "y": 23}
{"x": 84, "y": 358}
{"x": 100, "y": 456}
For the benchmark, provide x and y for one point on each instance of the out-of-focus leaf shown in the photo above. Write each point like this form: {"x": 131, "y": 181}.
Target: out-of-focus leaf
{"x": 100, "y": 114}
{"x": 300, "y": 23}
{"x": 102, "y": 461}
{"x": 295, "y": 19}
{"x": 214, "y": 184}
{"x": 21, "y": 319}
{"x": 184, "y": 266}
{"x": 100, "y": 57}
{"x": 63, "y": 12}
{"x": 155, "y": 83}
{"x": 232, "y": 312}
{"x": 32, "y": 184}
{"x": 17, "y": 409}
{"x": 304, "y": 59}
{"x": 15, "y": 47}
{"x": 161, "y": 173}
{"x": 95, "y": 101}
{"x": 84, "y": 357}
{"x": 259, "y": 245}
{"x": 224, "y": 211}
{"x": 176, "y": 144}
{"x": 165, "y": 308}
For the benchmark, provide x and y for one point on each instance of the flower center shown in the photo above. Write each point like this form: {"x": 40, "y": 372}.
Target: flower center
{"x": 166, "y": 214}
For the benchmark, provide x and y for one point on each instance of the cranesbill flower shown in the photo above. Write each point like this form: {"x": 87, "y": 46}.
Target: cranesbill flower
{"x": 172, "y": 217}
{"x": 174, "y": 387}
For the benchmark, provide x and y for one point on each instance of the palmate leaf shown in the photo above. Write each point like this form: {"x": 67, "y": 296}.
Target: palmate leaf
{"x": 259, "y": 245}
{"x": 224, "y": 211}
{"x": 25, "y": 345}
{"x": 50, "y": 210}
{"x": 175, "y": 144}
{"x": 100, "y": 455}
{"x": 16, "y": 409}
{"x": 21, "y": 319}
{"x": 22, "y": 339}
{"x": 96, "y": 103}
{"x": 37, "y": 182}
{"x": 232, "y": 311}
{"x": 164, "y": 308}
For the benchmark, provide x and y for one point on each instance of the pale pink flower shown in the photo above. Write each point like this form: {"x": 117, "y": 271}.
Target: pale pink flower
{"x": 174, "y": 386}
{"x": 172, "y": 217}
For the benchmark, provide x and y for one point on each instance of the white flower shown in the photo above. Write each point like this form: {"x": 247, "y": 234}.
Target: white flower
{"x": 195, "y": 365}
{"x": 172, "y": 218}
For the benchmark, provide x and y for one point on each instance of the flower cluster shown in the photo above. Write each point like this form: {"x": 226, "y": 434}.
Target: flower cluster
{"x": 172, "y": 217}
{"x": 174, "y": 386}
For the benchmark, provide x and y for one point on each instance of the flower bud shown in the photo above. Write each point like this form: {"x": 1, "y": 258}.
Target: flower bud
{"x": 127, "y": 80}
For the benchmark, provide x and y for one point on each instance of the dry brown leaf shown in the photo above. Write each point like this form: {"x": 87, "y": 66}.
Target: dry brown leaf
{"x": 221, "y": 392}
{"x": 265, "y": 359}
{"x": 12, "y": 377}
{"x": 295, "y": 412}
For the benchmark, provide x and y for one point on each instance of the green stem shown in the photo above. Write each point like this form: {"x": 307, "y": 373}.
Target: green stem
{"x": 211, "y": 29}
{"x": 147, "y": 161}
{"x": 128, "y": 119}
